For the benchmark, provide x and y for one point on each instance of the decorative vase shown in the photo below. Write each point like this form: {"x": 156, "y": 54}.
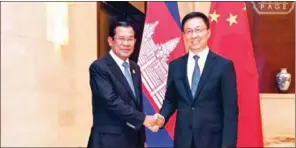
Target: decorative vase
{"x": 283, "y": 79}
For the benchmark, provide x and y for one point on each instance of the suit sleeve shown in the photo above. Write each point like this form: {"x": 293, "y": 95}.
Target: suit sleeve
{"x": 230, "y": 106}
{"x": 170, "y": 103}
{"x": 102, "y": 89}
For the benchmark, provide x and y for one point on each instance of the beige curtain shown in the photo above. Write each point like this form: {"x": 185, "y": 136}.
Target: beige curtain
{"x": 186, "y": 7}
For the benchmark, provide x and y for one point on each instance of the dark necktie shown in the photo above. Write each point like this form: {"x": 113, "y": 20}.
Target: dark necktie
{"x": 128, "y": 76}
{"x": 195, "y": 76}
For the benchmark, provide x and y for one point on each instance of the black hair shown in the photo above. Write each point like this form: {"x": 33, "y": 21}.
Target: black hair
{"x": 193, "y": 15}
{"x": 119, "y": 24}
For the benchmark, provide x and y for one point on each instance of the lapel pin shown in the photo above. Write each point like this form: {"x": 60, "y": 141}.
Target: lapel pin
{"x": 134, "y": 71}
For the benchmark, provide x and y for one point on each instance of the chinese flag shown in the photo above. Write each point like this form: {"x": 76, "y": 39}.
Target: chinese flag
{"x": 230, "y": 37}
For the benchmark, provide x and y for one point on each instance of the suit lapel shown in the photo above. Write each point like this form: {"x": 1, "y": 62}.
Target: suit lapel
{"x": 119, "y": 75}
{"x": 210, "y": 62}
{"x": 135, "y": 81}
{"x": 185, "y": 78}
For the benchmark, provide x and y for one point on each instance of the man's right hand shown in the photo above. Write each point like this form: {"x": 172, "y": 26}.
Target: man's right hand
{"x": 150, "y": 122}
{"x": 160, "y": 120}
{"x": 154, "y": 122}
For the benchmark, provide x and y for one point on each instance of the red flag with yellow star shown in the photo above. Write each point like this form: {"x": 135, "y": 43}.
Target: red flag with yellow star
{"x": 230, "y": 37}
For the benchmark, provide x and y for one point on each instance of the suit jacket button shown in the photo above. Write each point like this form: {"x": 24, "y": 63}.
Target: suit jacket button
{"x": 192, "y": 108}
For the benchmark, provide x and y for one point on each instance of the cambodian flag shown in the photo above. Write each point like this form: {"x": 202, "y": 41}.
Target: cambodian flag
{"x": 161, "y": 43}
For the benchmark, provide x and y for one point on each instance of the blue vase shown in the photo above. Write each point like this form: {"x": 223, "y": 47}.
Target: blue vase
{"x": 283, "y": 79}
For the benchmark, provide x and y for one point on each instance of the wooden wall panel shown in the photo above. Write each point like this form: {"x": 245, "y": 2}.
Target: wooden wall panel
{"x": 273, "y": 39}
{"x": 103, "y": 29}
{"x": 139, "y": 5}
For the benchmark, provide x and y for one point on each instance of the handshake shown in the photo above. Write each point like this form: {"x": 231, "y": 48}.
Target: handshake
{"x": 154, "y": 122}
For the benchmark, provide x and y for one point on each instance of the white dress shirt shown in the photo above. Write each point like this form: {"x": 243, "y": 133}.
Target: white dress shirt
{"x": 191, "y": 63}
{"x": 119, "y": 61}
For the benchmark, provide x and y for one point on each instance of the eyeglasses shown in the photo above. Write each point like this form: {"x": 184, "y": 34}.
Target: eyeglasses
{"x": 122, "y": 40}
{"x": 189, "y": 32}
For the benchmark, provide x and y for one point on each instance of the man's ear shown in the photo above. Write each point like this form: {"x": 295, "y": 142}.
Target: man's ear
{"x": 110, "y": 41}
{"x": 184, "y": 41}
{"x": 209, "y": 34}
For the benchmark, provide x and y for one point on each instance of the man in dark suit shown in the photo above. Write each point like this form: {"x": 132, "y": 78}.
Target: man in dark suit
{"x": 201, "y": 86}
{"x": 115, "y": 83}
